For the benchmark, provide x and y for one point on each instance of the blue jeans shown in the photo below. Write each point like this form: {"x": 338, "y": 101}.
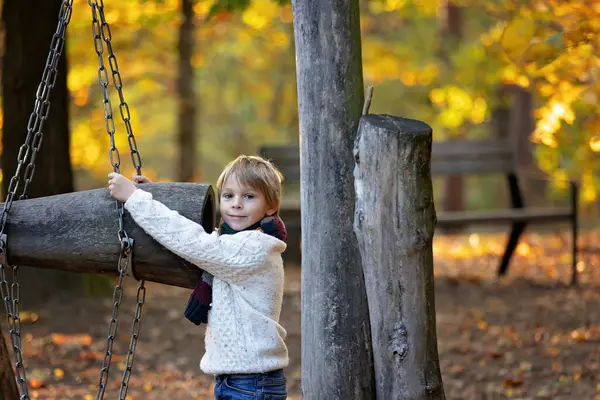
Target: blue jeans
{"x": 267, "y": 386}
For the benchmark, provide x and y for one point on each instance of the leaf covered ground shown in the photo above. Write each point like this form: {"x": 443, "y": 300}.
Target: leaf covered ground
{"x": 526, "y": 336}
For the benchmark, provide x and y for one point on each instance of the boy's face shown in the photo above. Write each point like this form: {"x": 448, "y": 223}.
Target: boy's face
{"x": 242, "y": 206}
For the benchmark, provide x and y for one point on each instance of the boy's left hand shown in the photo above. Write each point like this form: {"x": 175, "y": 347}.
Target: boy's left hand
{"x": 120, "y": 187}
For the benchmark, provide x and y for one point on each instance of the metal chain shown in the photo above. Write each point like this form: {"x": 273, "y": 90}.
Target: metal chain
{"x": 102, "y": 27}
{"x": 101, "y": 32}
{"x": 122, "y": 265}
{"x": 28, "y": 151}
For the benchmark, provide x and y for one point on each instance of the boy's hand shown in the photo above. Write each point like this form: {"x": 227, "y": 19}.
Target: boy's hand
{"x": 141, "y": 179}
{"x": 120, "y": 187}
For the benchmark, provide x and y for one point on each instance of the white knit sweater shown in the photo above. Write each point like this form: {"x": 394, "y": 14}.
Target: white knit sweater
{"x": 243, "y": 333}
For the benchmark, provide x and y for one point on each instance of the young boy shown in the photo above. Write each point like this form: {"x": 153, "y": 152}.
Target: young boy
{"x": 245, "y": 346}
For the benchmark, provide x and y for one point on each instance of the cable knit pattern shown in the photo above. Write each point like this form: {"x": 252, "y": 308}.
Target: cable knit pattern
{"x": 243, "y": 333}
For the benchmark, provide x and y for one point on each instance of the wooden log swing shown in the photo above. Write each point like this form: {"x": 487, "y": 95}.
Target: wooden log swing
{"x": 76, "y": 232}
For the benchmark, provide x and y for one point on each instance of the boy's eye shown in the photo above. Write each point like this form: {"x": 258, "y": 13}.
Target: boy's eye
{"x": 226, "y": 195}
{"x": 249, "y": 196}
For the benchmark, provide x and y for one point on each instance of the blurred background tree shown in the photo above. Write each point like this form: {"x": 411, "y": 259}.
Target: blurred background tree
{"x": 539, "y": 58}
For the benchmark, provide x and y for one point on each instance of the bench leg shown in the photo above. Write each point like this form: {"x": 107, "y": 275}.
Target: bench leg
{"x": 574, "y": 249}
{"x": 574, "y": 221}
{"x": 513, "y": 240}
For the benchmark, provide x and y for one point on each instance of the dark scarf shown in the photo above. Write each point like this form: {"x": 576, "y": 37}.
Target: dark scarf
{"x": 201, "y": 298}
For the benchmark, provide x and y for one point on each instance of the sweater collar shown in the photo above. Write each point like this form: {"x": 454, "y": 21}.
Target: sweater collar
{"x": 271, "y": 225}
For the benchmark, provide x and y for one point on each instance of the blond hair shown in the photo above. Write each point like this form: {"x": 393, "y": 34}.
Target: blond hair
{"x": 257, "y": 173}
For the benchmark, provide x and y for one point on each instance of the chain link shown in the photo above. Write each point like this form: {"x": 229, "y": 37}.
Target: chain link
{"x": 28, "y": 151}
{"x": 102, "y": 33}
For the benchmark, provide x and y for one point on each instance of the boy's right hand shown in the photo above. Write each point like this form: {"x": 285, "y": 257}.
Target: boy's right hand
{"x": 141, "y": 179}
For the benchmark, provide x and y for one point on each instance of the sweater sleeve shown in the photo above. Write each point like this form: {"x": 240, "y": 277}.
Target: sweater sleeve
{"x": 228, "y": 257}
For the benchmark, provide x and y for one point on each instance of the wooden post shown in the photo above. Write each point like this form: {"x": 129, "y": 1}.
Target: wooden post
{"x": 394, "y": 222}
{"x": 336, "y": 351}
{"x": 78, "y": 232}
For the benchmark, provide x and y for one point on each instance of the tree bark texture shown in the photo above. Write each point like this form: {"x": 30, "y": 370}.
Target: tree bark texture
{"x": 336, "y": 352}
{"x": 394, "y": 222}
{"x": 78, "y": 232}
{"x": 187, "y": 96}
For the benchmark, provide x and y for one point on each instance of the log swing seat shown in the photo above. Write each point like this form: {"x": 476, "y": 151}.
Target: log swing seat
{"x": 30, "y": 228}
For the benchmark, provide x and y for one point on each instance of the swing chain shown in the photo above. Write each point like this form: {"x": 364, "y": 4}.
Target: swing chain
{"x": 102, "y": 33}
{"x": 28, "y": 151}
{"x": 14, "y": 321}
{"x": 123, "y": 263}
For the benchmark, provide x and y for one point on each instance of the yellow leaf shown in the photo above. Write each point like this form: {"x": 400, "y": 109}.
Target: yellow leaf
{"x": 28, "y": 316}
{"x": 409, "y": 78}
{"x": 478, "y": 111}
{"x": 394, "y": 5}
{"x": 595, "y": 143}
{"x": 59, "y": 373}
{"x": 437, "y": 96}
{"x": 517, "y": 35}
{"x": 451, "y": 118}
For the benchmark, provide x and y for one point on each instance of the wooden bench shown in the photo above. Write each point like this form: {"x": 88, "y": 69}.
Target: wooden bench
{"x": 450, "y": 158}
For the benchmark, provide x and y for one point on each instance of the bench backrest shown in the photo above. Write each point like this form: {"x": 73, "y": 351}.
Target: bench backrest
{"x": 286, "y": 158}
{"x": 464, "y": 157}
{"x": 460, "y": 157}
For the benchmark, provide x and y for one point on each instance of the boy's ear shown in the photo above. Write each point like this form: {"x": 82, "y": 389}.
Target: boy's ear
{"x": 271, "y": 212}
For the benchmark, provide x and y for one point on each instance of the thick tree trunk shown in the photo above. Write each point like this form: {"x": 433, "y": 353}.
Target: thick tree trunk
{"x": 78, "y": 232}
{"x": 29, "y": 29}
{"x": 28, "y": 36}
{"x": 336, "y": 351}
{"x": 394, "y": 222}
{"x": 187, "y": 97}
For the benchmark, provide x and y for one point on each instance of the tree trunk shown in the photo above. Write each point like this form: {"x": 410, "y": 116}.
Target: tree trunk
{"x": 500, "y": 120}
{"x": 8, "y": 384}
{"x": 451, "y": 27}
{"x": 521, "y": 126}
{"x": 29, "y": 29}
{"x": 336, "y": 350}
{"x": 394, "y": 222}
{"x": 187, "y": 96}
{"x": 78, "y": 232}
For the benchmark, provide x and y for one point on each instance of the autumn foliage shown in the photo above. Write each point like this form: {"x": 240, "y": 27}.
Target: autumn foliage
{"x": 245, "y": 72}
